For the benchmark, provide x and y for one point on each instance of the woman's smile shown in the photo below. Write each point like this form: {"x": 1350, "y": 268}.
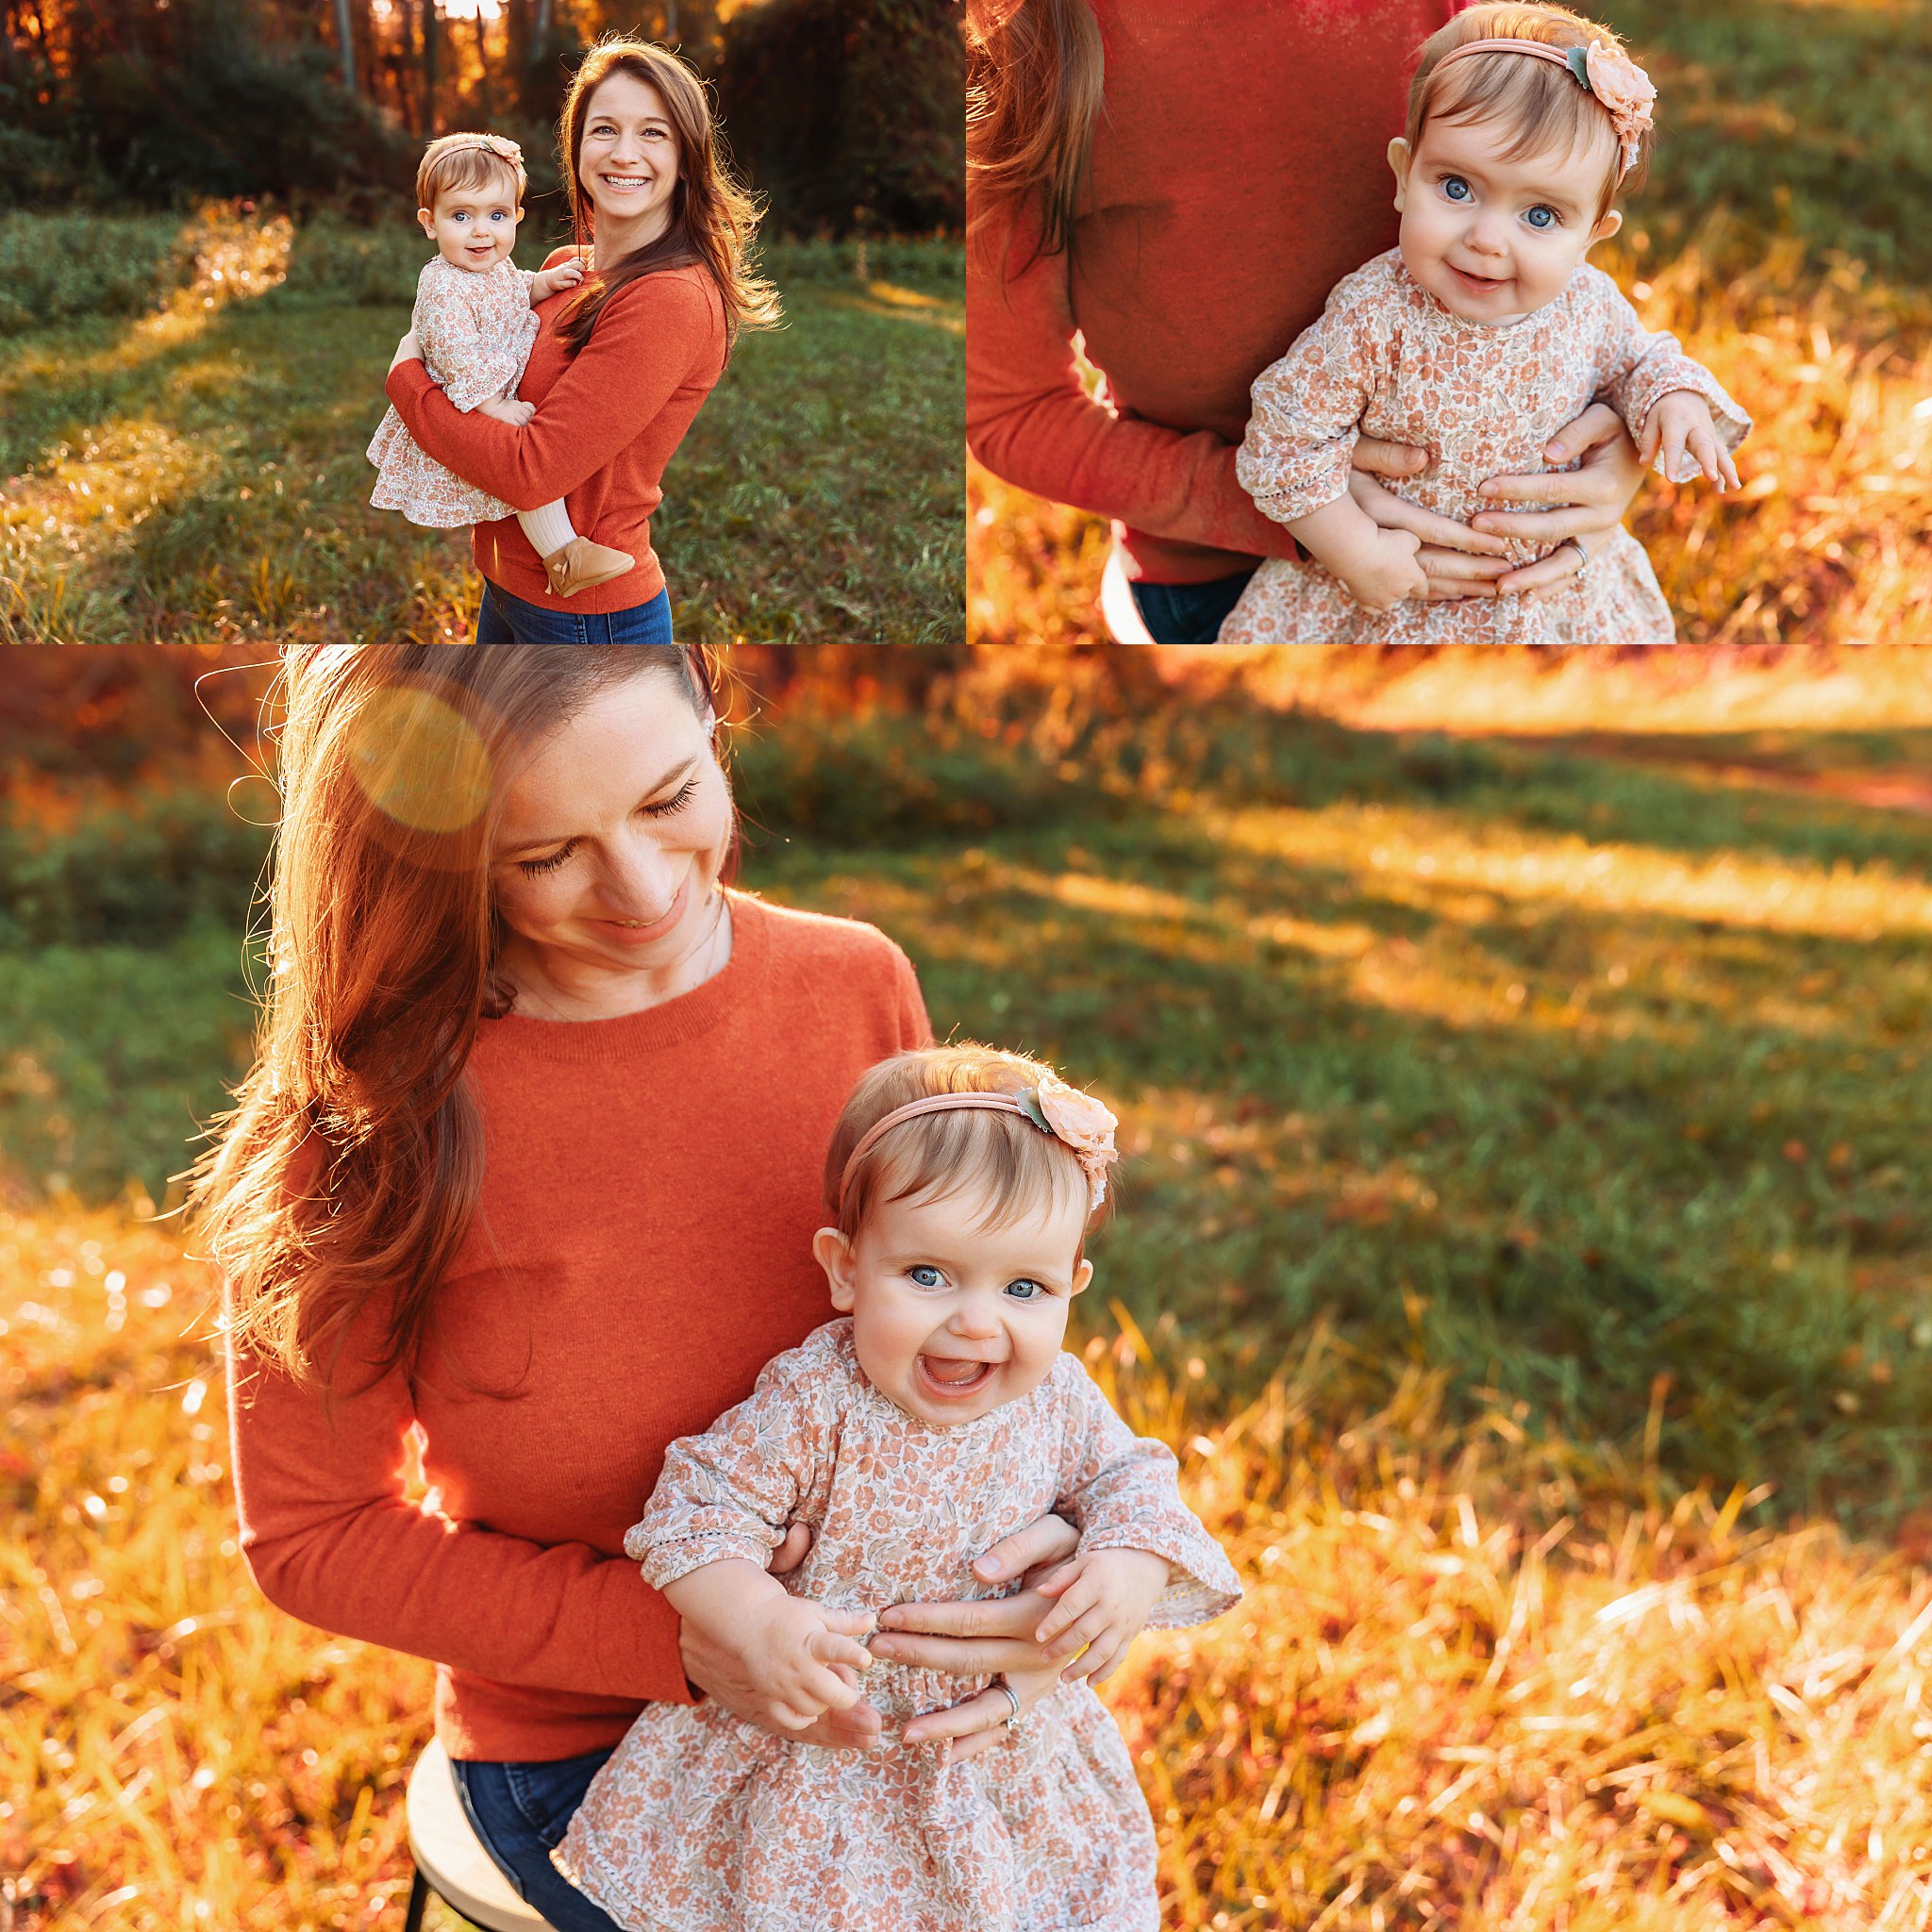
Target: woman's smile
{"x": 644, "y": 932}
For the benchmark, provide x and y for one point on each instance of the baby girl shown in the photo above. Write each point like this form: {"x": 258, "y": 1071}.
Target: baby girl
{"x": 938, "y": 1416}
{"x": 475, "y": 324}
{"x": 1478, "y": 338}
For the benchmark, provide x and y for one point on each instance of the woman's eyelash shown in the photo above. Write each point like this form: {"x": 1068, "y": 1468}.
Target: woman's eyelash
{"x": 534, "y": 866}
{"x": 681, "y": 798}
{"x": 677, "y": 802}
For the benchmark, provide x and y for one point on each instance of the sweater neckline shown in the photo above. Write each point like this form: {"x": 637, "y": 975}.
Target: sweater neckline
{"x": 674, "y": 1022}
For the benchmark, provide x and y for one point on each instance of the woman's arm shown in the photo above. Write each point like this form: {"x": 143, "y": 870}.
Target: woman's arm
{"x": 330, "y": 1540}
{"x": 648, "y": 341}
{"x": 1030, "y": 420}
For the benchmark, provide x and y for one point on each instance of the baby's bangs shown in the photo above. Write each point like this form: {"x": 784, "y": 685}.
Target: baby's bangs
{"x": 1549, "y": 112}
{"x": 467, "y": 168}
{"x": 933, "y": 1157}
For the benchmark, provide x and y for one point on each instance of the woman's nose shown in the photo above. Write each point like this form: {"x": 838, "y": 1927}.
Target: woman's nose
{"x": 641, "y": 881}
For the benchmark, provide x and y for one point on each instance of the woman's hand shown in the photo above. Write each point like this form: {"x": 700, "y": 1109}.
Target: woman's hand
{"x": 723, "y": 1671}
{"x": 987, "y": 1635}
{"x": 1457, "y": 560}
{"x": 1595, "y": 498}
{"x": 407, "y": 351}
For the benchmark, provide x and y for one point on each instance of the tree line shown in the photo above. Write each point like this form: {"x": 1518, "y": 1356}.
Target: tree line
{"x": 847, "y": 113}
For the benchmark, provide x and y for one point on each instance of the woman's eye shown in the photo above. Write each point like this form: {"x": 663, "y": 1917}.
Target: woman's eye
{"x": 925, "y": 1275}
{"x": 534, "y": 867}
{"x": 1456, "y": 188}
{"x": 1541, "y": 217}
{"x": 1025, "y": 1290}
{"x": 677, "y": 802}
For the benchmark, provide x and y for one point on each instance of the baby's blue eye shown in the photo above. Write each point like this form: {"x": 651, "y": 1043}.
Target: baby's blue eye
{"x": 1025, "y": 1290}
{"x": 1456, "y": 188}
{"x": 925, "y": 1275}
{"x": 1541, "y": 217}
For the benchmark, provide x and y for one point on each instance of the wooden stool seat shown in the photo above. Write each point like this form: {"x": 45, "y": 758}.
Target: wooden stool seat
{"x": 450, "y": 1859}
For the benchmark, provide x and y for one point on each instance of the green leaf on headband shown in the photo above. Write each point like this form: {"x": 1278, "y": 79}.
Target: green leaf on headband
{"x": 1029, "y": 1106}
{"x": 1579, "y": 58}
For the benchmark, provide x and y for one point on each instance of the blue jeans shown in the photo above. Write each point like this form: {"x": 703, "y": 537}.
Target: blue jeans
{"x": 507, "y": 620}
{"x": 520, "y": 1811}
{"x": 1189, "y": 613}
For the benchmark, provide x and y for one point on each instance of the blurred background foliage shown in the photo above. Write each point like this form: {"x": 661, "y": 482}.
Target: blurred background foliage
{"x": 846, "y": 113}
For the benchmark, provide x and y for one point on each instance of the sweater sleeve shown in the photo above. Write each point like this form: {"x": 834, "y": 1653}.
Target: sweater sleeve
{"x": 1638, "y": 369}
{"x": 1121, "y": 1492}
{"x": 1030, "y": 420}
{"x": 650, "y": 340}
{"x": 331, "y": 1539}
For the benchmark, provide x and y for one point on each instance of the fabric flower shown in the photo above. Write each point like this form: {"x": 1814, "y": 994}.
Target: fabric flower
{"x": 1084, "y": 1124}
{"x": 1626, "y": 92}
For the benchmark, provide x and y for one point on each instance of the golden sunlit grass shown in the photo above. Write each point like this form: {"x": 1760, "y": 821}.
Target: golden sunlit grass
{"x": 1478, "y": 1679}
{"x": 1777, "y": 241}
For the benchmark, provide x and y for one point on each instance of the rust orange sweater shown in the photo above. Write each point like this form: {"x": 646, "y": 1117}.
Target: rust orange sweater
{"x": 607, "y": 423}
{"x": 1239, "y": 172}
{"x": 643, "y": 1248}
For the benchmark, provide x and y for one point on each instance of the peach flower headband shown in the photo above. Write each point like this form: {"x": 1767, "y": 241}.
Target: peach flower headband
{"x": 1077, "y": 1120}
{"x": 1618, "y": 85}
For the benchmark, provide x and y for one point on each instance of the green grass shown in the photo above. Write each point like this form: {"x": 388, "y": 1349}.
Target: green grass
{"x": 1595, "y": 1081}
{"x": 195, "y": 473}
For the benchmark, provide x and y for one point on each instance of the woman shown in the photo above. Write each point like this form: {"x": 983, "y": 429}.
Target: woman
{"x": 529, "y": 1161}
{"x": 1179, "y": 183}
{"x": 622, "y": 365}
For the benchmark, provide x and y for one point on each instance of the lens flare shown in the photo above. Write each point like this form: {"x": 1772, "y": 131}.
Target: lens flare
{"x": 420, "y": 760}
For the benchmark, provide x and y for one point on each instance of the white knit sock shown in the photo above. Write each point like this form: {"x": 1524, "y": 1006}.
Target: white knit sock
{"x": 547, "y": 526}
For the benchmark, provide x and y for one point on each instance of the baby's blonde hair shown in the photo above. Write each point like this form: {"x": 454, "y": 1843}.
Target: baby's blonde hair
{"x": 452, "y": 162}
{"x": 1021, "y": 1169}
{"x": 1549, "y": 109}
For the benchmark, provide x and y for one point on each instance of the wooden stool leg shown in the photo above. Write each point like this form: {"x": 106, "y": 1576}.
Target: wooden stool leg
{"x": 419, "y": 1897}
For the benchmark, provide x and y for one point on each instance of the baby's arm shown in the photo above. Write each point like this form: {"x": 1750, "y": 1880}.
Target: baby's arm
{"x": 545, "y": 282}
{"x": 1144, "y": 1556}
{"x": 1673, "y": 404}
{"x": 787, "y": 1640}
{"x": 1294, "y": 458}
{"x": 720, "y": 1508}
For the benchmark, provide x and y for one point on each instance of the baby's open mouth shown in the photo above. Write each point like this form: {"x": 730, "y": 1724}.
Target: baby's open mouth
{"x": 955, "y": 1375}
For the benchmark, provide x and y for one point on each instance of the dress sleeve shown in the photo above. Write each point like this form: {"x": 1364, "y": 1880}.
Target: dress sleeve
{"x": 732, "y": 1491}
{"x": 1121, "y": 1492}
{"x": 651, "y": 339}
{"x": 1030, "y": 420}
{"x": 1638, "y": 369}
{"x": 331, "y": 1539}
{"x": 1307, "y": 420}
{"x": 468, "y": 366}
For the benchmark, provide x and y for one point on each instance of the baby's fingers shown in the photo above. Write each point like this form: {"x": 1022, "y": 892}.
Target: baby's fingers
{"x": 829, "y": 1690}
{"x": 828, "y": 1647}
{"x": 1089, "y": 1629}
{"x": 1057, "y": 1580}
{"x": 1715, "y": 458}
{"x": 1100, "y": 1662}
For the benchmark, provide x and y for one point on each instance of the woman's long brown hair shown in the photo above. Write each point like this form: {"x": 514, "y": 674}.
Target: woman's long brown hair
{"x": 347, "y": 1172}
{"x": 1033, "y": 99}
{"x": 714, "y": 218}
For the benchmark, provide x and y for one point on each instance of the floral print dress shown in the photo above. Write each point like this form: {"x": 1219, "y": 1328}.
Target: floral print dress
{"x": 1387, "y": 359}
{"x": 476, "y": 328}
{"x": 701, "y": 1822}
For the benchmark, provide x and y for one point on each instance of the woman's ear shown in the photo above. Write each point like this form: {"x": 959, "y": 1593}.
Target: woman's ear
{"x": 1399, "y": 159}
{"x": 832, "y": 1250}
{"x": 1606, "y": 228}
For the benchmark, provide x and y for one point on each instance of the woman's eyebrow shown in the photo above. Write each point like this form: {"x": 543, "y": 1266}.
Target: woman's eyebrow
{"x": 675, "y": 775}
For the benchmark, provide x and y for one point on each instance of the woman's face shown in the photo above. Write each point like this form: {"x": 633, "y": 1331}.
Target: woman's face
{"x": 627, "y": 161}
{"x": 610, "y": 840}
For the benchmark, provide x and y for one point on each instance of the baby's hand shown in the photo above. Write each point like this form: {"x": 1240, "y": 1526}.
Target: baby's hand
{"x": 547, "y": 281}
{"x": 1679, "y": 423}
{"x": 507, "y": 410}
{"x": 1105, "y": 1597}
{"x": 1384, "y": 570}
{"x": 793, "y": 1650}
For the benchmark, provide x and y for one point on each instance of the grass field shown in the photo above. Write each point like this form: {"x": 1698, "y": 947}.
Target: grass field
{"x": 1525, "y": 1240}
{"x": 186, "y": 405}
{"x": 1780, "y": 238}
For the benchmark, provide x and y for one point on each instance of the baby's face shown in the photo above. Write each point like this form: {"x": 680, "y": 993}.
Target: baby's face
{"x": 953, "y": 1318}
{"x": 475, "y": 227}
{"x": 1491, "y": 240}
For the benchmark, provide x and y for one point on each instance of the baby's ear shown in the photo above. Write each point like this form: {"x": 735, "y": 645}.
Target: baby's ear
{"x": 832, "y": 1250}
{"x": 1399, "y": 159}
{"x": 1606, "y": 228}
{"x": 426, "y": 222}
{"x": 1082, "y": 1276}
